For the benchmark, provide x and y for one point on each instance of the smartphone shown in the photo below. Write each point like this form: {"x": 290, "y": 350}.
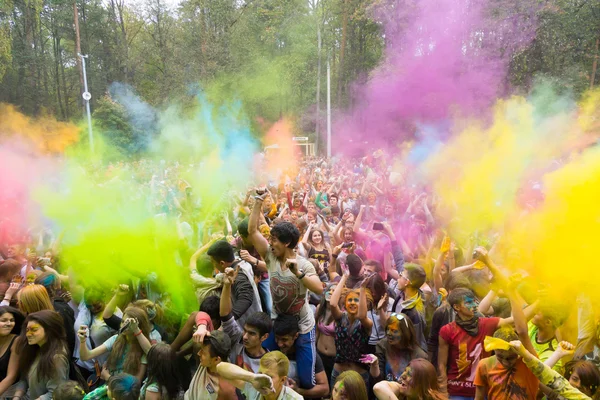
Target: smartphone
{"x": 377, "y": 226}
{"x": 347, "y": 245}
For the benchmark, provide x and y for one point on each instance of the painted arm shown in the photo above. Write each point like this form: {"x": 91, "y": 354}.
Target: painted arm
{"x": 547, "y": 375}
{"x": 256, "y": 238}
{"x": 239, "y": 376}
{"x": 443, "y": 349}
{"x": 485, "y": 306}
{"x": 110, "y": 308}
{"x": 385, "y": 390}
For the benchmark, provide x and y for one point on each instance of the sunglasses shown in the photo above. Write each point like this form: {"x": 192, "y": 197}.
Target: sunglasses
{"x": 399, "y": 317}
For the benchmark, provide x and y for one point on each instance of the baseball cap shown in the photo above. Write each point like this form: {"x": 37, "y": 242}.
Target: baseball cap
{"x": 220, "y": 343}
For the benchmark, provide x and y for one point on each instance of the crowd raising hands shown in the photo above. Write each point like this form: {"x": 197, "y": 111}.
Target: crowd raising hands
{"x": 337, "y": 281}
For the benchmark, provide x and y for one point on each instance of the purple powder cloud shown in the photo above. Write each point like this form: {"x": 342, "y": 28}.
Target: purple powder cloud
{"x": 444, "y": 58}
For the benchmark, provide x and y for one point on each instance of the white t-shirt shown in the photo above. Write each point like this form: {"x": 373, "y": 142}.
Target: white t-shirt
{"x": 289, "y": 295}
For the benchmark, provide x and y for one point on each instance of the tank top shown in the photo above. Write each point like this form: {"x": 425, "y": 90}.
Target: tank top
{"x": 351, "y": 341}
{"x": 5, "y": 359}
{"x": 320, "y": 255}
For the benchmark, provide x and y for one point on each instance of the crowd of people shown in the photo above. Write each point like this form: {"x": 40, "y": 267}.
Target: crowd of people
{"x": 336, "y": 281}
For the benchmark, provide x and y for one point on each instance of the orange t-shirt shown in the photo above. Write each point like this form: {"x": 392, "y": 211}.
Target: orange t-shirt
{"x": 518, "y": 383}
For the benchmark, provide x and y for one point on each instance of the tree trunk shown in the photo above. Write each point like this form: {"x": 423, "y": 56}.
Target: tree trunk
{"x": 341, "y": 68}
{"x": 318, "y": 119}
{"x": 594, "y": 64}
{"x": 77, "y": 53}
{"x": 57, "y": 72}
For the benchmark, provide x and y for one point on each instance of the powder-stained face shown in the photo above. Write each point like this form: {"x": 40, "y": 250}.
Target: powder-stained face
{"x": 352, "y": 303}
{"x": 36, "y": 335}
{"x": 393, "y": 332}
{"x": 339, "y": 392}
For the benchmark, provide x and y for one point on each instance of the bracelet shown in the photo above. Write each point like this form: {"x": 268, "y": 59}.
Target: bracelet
{"x": 302, "y": 276}
{"x": 138, "y": 334}
{"x": 334, "y": 255}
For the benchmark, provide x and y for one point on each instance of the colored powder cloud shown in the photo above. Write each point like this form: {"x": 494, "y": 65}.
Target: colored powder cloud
{"x": 45, "y": 134}
{"x": 443, "y": 58}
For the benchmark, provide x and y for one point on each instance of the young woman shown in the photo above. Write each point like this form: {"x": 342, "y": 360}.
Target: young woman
{"x": 11, "y": 321}
{"x": 43, "y": 355}
{"x": 33, "y": 298}
{"x": 126, "y": 348}
{"x": 315, "y": 245}
{"x": 395, "y": 352}
{"x": 352, "y": 328}
{"x": 326, "y": 331}
{"x": 584, "y": 376}
{"x": 418, "y": 382}
{"x": 163, "y": 381}
{"x": 349, "y": 386}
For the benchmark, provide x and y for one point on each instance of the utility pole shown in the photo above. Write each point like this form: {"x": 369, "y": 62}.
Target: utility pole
{"x": 77, "y": 42}
{"x": 87, "y": 97}
{"x": 328, "y": 109}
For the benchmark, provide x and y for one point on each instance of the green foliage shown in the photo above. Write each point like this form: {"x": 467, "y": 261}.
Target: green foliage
{"x": 111, "y": 119}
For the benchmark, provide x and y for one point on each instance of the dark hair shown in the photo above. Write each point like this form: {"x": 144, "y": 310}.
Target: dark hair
{"x": 286, "y": 232}
{"x": 211, "y": 305}
{"x": 588, "y": 373}
{"x": 243, "y": 228}
{"x": 323, "y": 305}
{"x": 131, "y": 359}
{"x": 162, "y": 369}
{"x": 124, "y": 387}
{"x": 458, "y": 295}
{"x": 221, "y": 251}
{"x": 354, "y": 264}
{"x": 416, "y": 274}
{"x": 377, "y": 287}
{"x": 50, "y": 281}
{"x": 285, "y": 324}
{"x": 51, "y": 353}
{"x": 68, "y": 390}
{"x": 261, "y": 321}
{"x": 216, "y": 349}
{"x": 17, "y": 315}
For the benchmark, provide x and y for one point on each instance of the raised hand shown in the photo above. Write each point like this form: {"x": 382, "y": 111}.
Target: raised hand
{"x": 263, "y": 384}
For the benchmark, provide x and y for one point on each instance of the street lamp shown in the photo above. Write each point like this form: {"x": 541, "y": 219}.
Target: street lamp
{"x": 87, "y": 97}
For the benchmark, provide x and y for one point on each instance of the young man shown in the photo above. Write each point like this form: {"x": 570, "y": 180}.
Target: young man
{"x": 269, "y": 384}
{"x": 244, "y": 293}
{"x": 259, "y": 267}
{"x": 291, "y": 279}
{"x": 206, "y": 383}
{"x": 247, "y": 347}
{"x": 410, "y": 301}
{"x": 542, "y": 332}
{"x": 504, "y": 375}
{"x": 285, "y": 328}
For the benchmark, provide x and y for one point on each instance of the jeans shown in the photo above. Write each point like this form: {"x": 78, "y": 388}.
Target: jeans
{"x": 264, "y": 291}
{"x": 306, "y": 354}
